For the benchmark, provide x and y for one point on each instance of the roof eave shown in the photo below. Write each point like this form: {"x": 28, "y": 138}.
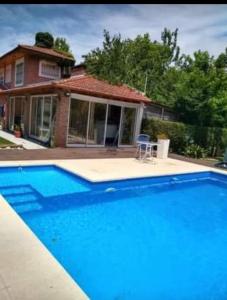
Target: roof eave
{"x": 102, "y": 95}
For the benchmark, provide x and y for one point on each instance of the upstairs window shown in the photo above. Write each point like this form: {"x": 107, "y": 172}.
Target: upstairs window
{"x": 19, "y": 72}
{"x": 1, "y": 75}
{"x": 49, "y": 70}
{"x": 8, "y": 77}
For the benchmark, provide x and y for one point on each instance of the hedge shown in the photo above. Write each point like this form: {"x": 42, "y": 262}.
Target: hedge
{"x": 214, "y": 140}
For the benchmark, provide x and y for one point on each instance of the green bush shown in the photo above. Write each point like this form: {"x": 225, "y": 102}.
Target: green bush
{"x": 181, "y": 135}
{"x": 174, "y": 130}
{"x": 195, "y": 151}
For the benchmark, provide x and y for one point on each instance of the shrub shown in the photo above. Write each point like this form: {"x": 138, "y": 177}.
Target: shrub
{"x": 175, "y": 131}
{"x": 195, "y": 151}
{"x": 181, "y": 135}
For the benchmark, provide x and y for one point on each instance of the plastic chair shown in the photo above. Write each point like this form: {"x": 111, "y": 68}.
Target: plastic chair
{"x": 140, "y": 146}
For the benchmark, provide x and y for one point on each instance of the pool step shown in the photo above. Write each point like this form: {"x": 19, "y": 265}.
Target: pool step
{"x": 17, "y": 199}
{"x": 6, "y": 190}
{"x": 24, "y": 202}
{"x": 22, "y": 198}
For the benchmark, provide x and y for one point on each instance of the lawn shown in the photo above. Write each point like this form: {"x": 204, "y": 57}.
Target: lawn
{"x": 4, "y": 142}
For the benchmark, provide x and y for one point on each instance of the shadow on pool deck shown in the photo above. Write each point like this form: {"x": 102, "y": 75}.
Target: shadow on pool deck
{"x": 66, "y": 153}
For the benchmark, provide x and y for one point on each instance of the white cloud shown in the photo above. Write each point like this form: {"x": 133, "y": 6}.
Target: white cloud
{"x": 200, "y": 26}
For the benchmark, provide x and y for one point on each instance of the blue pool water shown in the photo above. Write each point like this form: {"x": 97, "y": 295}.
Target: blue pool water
{"x": 161, "y": 238}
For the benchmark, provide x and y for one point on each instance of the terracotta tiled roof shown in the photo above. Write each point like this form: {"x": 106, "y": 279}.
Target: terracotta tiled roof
{"x": 47, "y": 51}
{"x": 86, "y": 84}
{"x": 41, "y": 50}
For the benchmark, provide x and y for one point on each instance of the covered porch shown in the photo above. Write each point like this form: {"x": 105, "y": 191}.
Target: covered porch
{"x": 74, "y": 120}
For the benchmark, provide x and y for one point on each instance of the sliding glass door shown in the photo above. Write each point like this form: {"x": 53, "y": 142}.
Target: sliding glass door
{"x": 100, "y": 124}
{"x": 78, "y": 120}
{"x": 43, "y": 110}
{"x": 16, "y": 112}
{"x": 97, "y": 122}
{"x": 128, "y": 122}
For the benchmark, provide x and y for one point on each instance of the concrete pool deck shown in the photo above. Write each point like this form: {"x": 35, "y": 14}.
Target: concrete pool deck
{"x": 28, "y": 271}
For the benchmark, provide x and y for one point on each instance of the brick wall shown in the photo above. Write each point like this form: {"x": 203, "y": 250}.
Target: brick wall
{"x": 31, "y": 71}
{"x": 61, "y": 123}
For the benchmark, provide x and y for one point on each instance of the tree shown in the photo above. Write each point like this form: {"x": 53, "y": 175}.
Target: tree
{"x": 44, "y": 39}
{"x": 60, "y": 44}
{"x": 195, "y": 86}
{"x": 136, "y": 62}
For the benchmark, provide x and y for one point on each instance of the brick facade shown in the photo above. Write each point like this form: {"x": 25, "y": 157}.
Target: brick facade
{"x": 79, "y": 83}
{"x": 61, "y": 123}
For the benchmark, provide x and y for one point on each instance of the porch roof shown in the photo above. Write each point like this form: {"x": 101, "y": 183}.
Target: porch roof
{"x": 88, "y": 85}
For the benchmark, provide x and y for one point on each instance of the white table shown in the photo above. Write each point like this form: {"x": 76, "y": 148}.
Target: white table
{"x": 148, "y": 152}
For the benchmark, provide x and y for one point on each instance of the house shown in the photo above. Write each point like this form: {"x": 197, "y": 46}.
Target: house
{"x": 51, "y": 100}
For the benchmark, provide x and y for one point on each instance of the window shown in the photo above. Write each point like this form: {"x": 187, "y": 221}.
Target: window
{"x": 49, "y": 70}
{"x": 1, "y": 75}
{"x": 19, "y": 72}
{"x": 8, "y": 74}
{"x": 43, "y": 110}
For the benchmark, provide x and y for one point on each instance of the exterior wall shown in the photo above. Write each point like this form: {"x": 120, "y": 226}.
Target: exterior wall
{"x": 61, "y": 123}
{"x": 78, "y": 70}
{"x": 31, "y": 70}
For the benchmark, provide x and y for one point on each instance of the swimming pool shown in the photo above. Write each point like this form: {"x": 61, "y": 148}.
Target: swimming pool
{"x": 150, "y": 238}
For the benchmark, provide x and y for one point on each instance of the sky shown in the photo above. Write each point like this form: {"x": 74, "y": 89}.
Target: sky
{"x": 200, "y": 26}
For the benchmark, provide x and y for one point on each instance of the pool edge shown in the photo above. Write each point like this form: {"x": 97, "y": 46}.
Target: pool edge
{"x": 27, "y": 268}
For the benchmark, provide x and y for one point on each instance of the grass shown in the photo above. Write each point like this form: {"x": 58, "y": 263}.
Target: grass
{"x": 4, "y": 142}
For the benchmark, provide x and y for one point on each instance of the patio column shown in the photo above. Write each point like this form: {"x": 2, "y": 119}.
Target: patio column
{"x": 61, "y": 123}
{"x": 26, "y": 100}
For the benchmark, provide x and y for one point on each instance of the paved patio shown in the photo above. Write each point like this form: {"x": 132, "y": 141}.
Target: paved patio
{"x": 20, "y": 141}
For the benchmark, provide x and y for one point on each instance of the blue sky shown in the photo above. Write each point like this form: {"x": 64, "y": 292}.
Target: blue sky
{"x": 200, "y": 26}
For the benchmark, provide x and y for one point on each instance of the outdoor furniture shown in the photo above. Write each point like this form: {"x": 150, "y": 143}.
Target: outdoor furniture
{"x": 147, "y": 149}
{"x": 144, "y": 146}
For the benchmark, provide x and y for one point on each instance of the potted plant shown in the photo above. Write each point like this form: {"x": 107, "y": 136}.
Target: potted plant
{"x": 163, "y": 146}
{"x": 17, "y": 131}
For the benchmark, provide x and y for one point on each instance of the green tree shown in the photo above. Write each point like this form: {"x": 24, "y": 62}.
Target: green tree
{"x": 200, "y": 92}
{"x": 44, "y": 39}
{"x": 61, "y": 45}
{"x": 195, "y": 86}
{"x": 138, "y": 62}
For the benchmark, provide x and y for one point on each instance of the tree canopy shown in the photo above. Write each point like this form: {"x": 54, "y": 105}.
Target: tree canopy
{"x": 194, "y": 85}
{"x": 60, "y": 44}
{"x": 46, "y": 39}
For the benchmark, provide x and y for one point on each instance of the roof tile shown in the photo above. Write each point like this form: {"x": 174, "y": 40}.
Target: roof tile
{"x": 47, "y": 51}
{"x": 89, "y": 85}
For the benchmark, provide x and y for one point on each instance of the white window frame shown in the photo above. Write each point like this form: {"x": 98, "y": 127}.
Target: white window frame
{"x": 10, "y": 68}
{"x": 42, "y": 108}
{"x": 139, "y": 113}
{"x": 2, "y": 71}
{"x": 19, "y": 61}
{"x": 41, "y": 62}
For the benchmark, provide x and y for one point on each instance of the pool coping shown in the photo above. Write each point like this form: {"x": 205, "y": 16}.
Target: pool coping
{"x": 28, "y": 270}
{"x": 59, "y": 164}
{"x": 50, "y": 280}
